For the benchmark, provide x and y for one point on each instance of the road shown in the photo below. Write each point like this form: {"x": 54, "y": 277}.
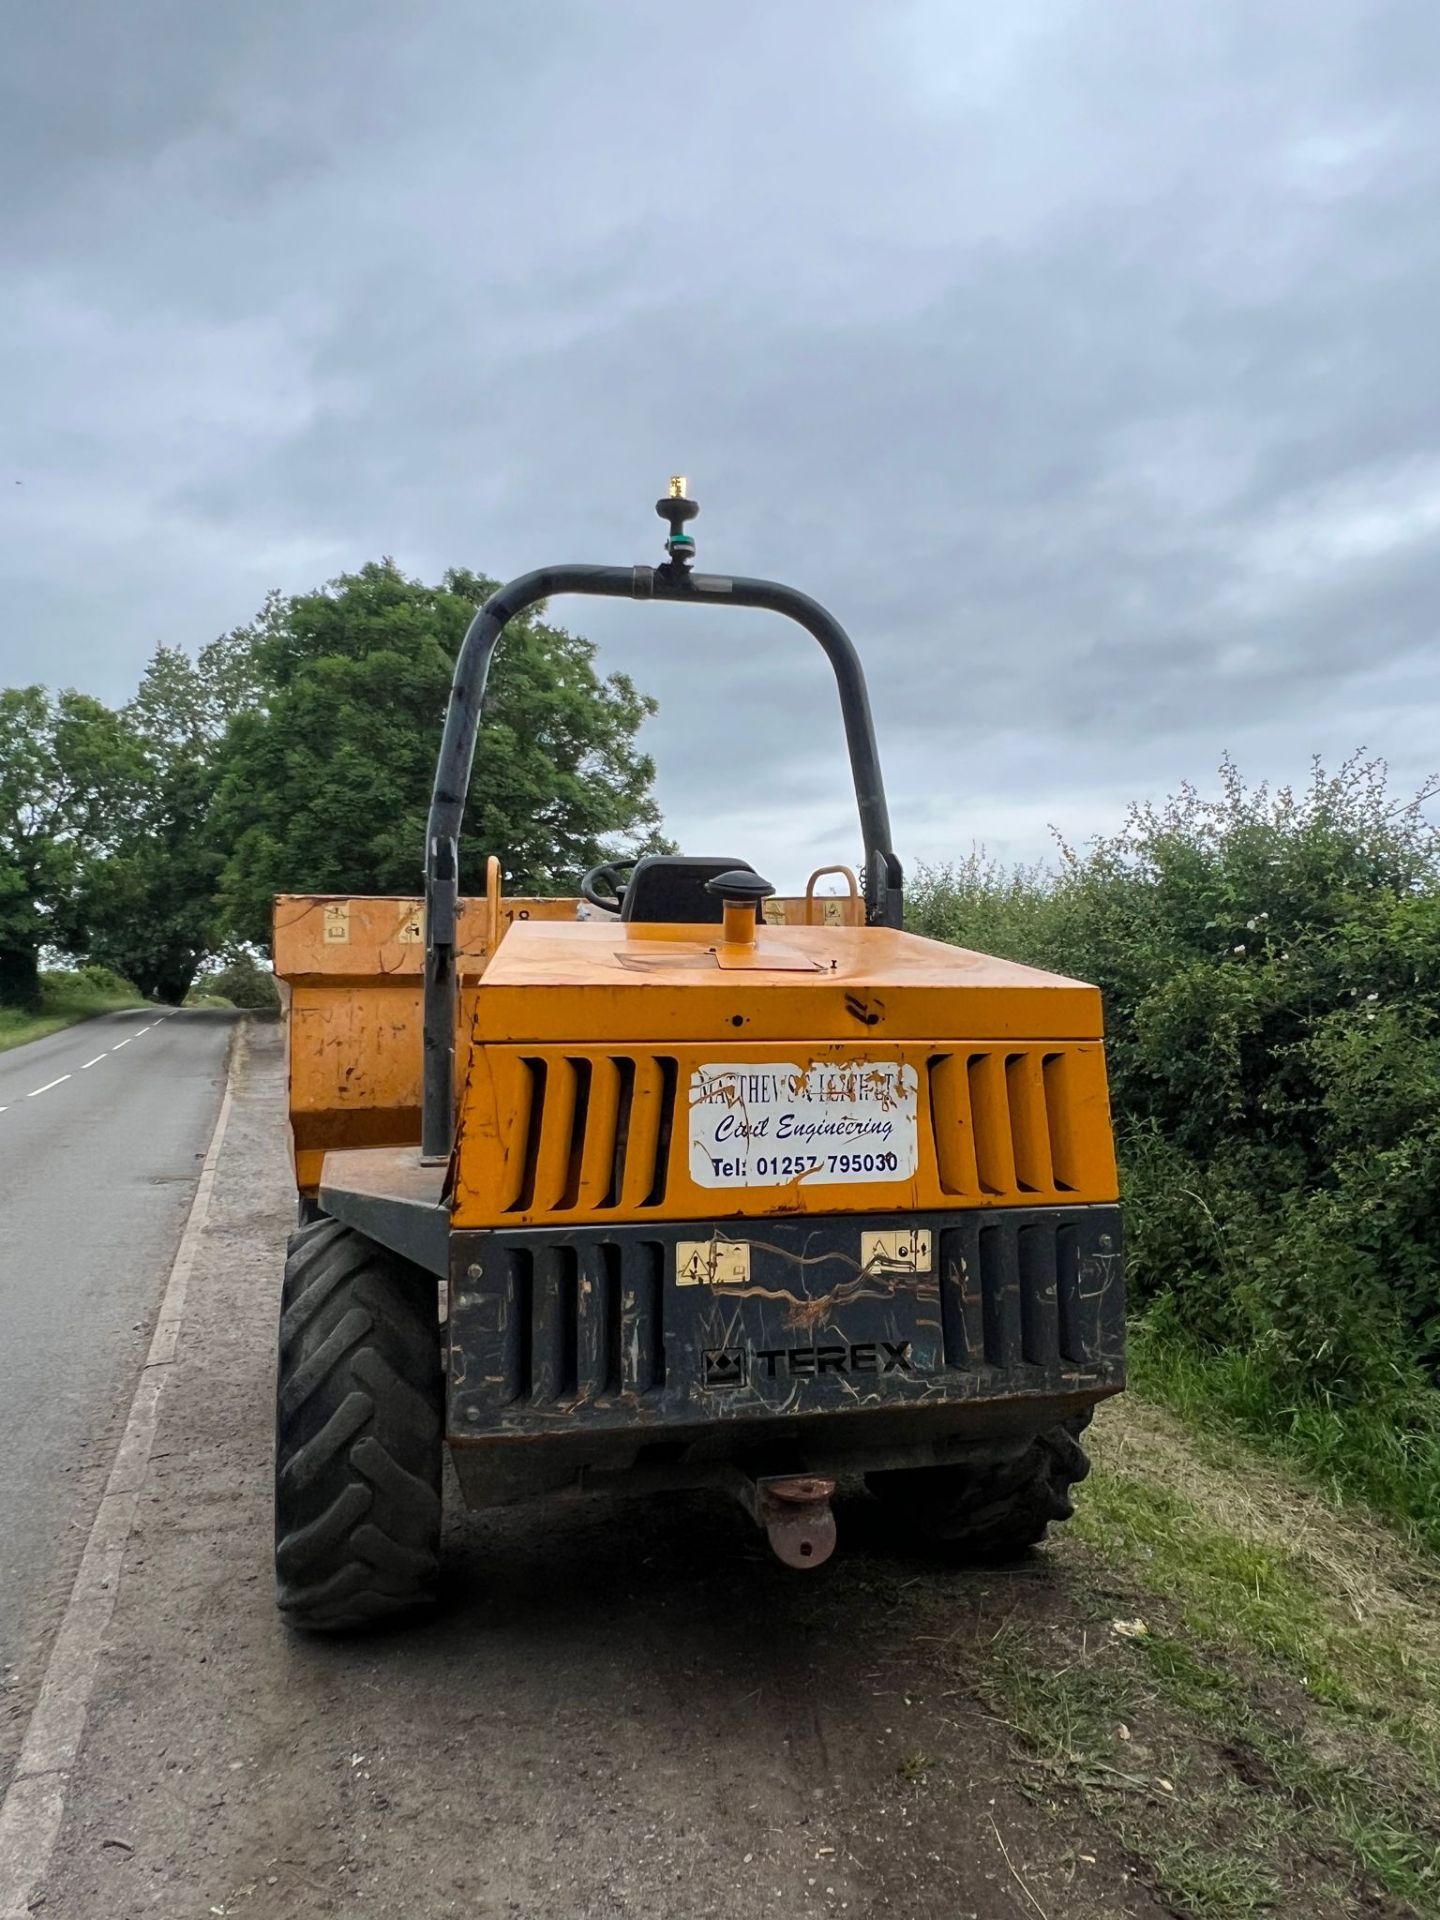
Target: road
{"x": 623, "y": 1709}
{"x": 102, "y": 1130}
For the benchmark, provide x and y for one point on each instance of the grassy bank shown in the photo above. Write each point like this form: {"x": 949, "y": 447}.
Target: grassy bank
{"x": 1238, "y": 1682}
{"x": 65, "y": 998}
{"x": 1385, "y": 1454}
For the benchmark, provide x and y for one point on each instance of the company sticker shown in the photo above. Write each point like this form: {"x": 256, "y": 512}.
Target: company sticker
{"x": 778, "y": 1124}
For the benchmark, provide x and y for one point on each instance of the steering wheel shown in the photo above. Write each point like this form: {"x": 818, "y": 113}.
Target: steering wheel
{"x": 611, "y": 874}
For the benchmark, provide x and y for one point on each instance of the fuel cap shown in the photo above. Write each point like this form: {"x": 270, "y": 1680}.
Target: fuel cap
{"x": 742, "y": 892}
{"x": 741, "y": 886}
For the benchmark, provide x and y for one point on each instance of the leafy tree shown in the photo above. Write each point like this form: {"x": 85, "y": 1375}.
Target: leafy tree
{"x": 237, "y": 976}
{"x": 67, "y": 769}
{"x": 326, "y": 782}
{"x": 147, "y": 908}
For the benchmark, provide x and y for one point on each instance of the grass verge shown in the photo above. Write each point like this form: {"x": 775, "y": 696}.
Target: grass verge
{"x": 65, "y": 998}
{"x": 1385, "y": 1452}
{"x": 1242, "y": 1682}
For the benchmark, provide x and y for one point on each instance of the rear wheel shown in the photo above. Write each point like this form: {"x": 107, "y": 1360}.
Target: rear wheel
{"x": 996, "y": 1505}
{"x": 359, "y": 1433}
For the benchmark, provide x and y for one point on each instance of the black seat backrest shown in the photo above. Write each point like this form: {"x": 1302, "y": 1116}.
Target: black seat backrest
{"x": 671, "y": 886}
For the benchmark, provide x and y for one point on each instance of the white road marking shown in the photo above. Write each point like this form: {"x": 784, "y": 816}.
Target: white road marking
{"x": 34, "y": 1803}
{"x": 122, "y": 1043}
{"x": 47, "y": 1086}
{"x": 136, "y": 1036}
{"x": 95, "y": 1062}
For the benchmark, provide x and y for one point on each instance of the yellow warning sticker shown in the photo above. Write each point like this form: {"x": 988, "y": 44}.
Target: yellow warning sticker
{"x": 898, "y": 1250}
{"x": 712, "y": 1263}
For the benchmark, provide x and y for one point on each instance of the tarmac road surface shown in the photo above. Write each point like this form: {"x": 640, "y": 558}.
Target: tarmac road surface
{"x": 623, "y": 1709}
{"x": 102, "y": 1130}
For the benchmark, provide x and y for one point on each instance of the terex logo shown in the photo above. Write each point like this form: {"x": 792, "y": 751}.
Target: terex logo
{"x": 733, "y": 1366}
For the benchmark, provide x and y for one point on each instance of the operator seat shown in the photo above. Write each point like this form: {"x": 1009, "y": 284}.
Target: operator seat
{"x": 672, "y": 887}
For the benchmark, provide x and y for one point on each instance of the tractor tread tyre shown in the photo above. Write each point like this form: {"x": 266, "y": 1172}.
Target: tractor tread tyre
{"x": 997, "y": 1506}
{"x": 359, "y": 1433}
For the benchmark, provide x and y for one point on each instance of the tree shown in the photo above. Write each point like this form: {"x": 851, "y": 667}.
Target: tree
{"x": 148, "y": 908}
{"x": 325, "y": 783}
{"x": 67, "y": 769}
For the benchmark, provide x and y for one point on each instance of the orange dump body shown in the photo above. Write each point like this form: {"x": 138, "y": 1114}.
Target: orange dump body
{"x": 350, "y": 971}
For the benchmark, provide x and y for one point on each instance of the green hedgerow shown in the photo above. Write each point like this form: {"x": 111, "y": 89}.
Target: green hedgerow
{"x": 1270, "y": 962}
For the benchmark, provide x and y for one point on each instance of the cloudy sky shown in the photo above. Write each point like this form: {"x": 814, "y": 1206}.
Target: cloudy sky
{"x": 1081, "y": 354}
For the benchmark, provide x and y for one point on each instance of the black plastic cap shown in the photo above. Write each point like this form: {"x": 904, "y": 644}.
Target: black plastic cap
{"x": 745, "y": 889}
{"x": 677, "y": 511}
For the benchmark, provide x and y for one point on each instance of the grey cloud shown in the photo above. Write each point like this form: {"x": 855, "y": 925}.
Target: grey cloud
{"x": 1084, "y": 370}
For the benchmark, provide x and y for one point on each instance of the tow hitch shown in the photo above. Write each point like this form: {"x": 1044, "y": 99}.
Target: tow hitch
{"x": 795, "y": 1513}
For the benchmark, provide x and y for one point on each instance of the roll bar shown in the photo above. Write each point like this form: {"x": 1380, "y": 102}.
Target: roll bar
{"x": 675, "y": 582}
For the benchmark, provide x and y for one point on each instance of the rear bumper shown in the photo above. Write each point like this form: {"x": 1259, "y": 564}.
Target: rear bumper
{"x": 579, "y": 1351}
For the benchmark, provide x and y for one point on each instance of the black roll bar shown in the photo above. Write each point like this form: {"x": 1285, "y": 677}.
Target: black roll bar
{"x": 673, "y": 582}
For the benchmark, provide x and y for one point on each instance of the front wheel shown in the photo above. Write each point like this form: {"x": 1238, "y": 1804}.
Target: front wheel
{"x": 997, "y": 1505}
{"x": 359, "y": 1433}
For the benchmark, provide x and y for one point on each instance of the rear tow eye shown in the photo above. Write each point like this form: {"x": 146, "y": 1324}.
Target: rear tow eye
{"x": 795, "y": 1513}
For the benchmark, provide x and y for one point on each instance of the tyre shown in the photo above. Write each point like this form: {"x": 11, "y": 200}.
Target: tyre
{"x": 359, "y": 1433}
{"x": 996, "y": 1506}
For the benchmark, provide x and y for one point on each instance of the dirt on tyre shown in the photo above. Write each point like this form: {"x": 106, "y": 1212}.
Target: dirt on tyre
{"x": 995, "y": 1506}
{"x": 359, "y": 1433}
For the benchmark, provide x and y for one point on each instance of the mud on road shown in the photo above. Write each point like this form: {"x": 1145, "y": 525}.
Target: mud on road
{"x": 623, "y": 1709}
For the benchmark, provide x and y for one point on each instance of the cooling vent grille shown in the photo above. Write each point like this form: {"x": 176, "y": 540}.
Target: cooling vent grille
{"x": 1017, "y": 1292}
{"x": 1015, "y": 1122}
{"x": 597, "y": 1133}
{"x": 573, "y": 1323}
